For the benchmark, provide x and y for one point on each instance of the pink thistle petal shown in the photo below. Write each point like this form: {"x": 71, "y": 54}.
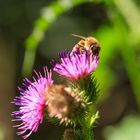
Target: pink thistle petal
{"x": 31, "y": 103}
{"x": 77, "y": 65}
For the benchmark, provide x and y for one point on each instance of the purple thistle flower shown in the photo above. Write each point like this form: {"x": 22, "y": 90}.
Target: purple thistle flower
{"x": 31, "y": 103}
{"x": 76, "y": 65}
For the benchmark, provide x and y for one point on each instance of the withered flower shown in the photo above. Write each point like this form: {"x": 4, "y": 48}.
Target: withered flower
{"x": 62, "y": 102}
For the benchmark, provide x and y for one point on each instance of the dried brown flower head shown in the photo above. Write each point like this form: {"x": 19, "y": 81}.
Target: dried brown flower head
{"x": 61, "y": 102}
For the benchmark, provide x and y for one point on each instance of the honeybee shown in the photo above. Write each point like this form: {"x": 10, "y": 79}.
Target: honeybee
{"x": 88, "y": 43}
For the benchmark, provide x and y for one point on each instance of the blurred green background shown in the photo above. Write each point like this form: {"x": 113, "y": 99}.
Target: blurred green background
{"x": 32, "y": 32}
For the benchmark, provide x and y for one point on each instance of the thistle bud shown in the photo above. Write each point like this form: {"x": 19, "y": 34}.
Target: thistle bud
{"x": 69, "y": 134}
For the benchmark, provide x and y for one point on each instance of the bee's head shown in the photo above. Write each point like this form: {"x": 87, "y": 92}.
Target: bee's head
{"x": 93, "y": 44}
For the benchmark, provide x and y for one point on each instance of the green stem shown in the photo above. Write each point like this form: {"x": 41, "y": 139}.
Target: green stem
{"x": 87, "y": 124}
{"x": 88, "y": 133}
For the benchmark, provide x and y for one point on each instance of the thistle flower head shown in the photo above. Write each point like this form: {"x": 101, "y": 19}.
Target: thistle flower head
{"x": 76, "y": 65}
{"x": 62, "y": 102}
{"x": 31, "y": 103}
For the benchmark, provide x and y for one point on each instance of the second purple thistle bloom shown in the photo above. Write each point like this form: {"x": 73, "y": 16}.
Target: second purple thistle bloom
{"x": 75, "y": 65}
{"x": 31, "y": 102}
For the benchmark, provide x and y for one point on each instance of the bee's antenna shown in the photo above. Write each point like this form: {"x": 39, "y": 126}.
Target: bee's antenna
{"x": 79, "y": 36}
